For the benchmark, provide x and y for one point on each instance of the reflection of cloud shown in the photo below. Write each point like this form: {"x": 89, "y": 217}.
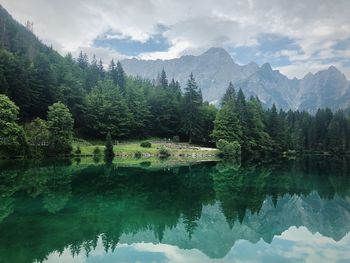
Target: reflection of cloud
{"x": 293, "y": 245}
{"x": 65, "y": 257}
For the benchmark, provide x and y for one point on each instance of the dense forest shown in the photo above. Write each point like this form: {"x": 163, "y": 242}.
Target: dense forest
{"x": 47, "y": 100}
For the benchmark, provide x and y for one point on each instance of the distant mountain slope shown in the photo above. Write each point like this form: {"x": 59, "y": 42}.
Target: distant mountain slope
{"x": 215, "y": 68}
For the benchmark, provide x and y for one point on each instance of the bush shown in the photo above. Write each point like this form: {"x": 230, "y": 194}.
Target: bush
{"x": 78, "y": 151}
{"x": 232, "y": 150}
{"x": 164, "y": 152}
{"x": 220, "y": 144}
{"x": 97, "y": 151}
{"x": 138, "y": 154}
{"x": 146, "y": 144}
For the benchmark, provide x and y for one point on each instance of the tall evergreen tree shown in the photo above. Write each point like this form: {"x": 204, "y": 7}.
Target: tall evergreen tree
{"x": 163, "y": 80}
{"x": 229, "y": 94}
{"x": 109, "y": 153}
{"x": 120, "y": 77}
{"x": 191, "y": 113}
{"x": 83, "y": 61}
{"x": 101, "y": 70}
{"x": 227, "y": 125}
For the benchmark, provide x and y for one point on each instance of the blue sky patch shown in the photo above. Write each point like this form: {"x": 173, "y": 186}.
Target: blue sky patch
{"x": 268, "y": 45}
{"x": 131, "y": 47}
{"x": 342, "y": 45}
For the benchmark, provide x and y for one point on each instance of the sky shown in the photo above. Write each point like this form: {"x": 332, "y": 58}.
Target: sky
{"x": 295, "y": 37}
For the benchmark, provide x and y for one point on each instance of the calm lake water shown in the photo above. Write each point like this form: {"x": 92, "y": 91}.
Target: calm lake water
{"x": 290, "y": 211}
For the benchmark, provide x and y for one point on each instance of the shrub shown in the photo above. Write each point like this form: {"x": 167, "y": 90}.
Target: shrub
{"x": 164, "y": 152}
{"x": 220, "y": 144}
{"x": 138, "y": 154}
{"x": 78, "y": 151}
{"x": 146, "y": 144}
{"x": 97, "y": 151}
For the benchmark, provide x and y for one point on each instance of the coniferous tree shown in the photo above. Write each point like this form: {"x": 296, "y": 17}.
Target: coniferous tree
{"x": 109, "y": 153}
{"x": 338, "y": 132}
{"x": 83, "y": 61}
{"x": 163, "y": 81}
{"x": 191, "y": 113}
{"x": 230, "y": 94}
{"x": 112, "y": 72}
{"x": 107, "y": 111}
{"x": 139, "y": 108}
{"x": 227, "y": 125}
{"x": 120, "y": 77}
{"x": 93, "y": 75}
{"x": 101, "y": 70}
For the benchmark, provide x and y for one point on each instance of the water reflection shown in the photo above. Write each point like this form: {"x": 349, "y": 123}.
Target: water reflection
{"x": 106, "y": 213}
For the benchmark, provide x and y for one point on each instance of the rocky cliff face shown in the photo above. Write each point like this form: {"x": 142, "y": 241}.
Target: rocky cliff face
{"x": 215, "y": 68}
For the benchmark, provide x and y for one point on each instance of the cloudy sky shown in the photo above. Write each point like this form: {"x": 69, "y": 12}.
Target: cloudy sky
{"x": 294, "y": 36}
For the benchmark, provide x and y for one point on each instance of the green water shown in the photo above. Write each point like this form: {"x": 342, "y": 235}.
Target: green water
{"x": 289, "y": 211}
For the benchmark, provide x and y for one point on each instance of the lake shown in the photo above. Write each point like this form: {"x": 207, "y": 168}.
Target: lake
{"x": 85, "y": 211}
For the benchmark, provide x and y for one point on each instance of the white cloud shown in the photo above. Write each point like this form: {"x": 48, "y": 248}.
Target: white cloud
{"x": 191, "y": 25}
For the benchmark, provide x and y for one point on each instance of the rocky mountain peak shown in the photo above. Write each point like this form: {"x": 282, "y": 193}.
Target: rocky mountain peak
{"x": 216, "y": 51}
{"x": 266, "y": 67}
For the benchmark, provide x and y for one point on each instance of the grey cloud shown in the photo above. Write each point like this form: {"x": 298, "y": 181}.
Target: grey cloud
{"x": 191, "y": 26}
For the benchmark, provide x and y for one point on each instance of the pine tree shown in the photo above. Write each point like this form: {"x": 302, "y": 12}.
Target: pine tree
{"x": 163, "y": 81}
{"x": 120, "y": 77}
{"x": 83, "y": 60}
{"x": 112, "y": 72}
{"x": 93, "y": 74}
{"x": 109, "y": 153}
{"x": 101, "y": 70}
{"x": 227, "y": 125}
{"x": 229, "y": 94}
{"x": 191, "y": 113}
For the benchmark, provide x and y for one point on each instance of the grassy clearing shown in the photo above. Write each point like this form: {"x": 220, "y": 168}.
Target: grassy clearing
{"x": 129, "y": 149}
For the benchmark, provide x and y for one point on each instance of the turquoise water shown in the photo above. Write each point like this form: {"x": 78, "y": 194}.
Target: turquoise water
{"x": 288, "y": 211}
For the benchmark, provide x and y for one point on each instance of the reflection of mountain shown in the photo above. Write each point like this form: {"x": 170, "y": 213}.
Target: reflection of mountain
{"x": 206, "y": 206}
{"x": 215, "y": 238}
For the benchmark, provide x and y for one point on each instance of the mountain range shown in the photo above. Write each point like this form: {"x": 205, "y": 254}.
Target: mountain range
{"x": 215, "y": 68}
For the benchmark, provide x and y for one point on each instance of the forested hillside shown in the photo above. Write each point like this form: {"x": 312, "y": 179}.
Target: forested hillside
{"x": 35, "y": 76}
{"x": 101, "y": 100}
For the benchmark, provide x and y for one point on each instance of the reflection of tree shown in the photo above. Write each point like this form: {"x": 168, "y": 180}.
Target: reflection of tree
{"x": 6, "y": 206}
{"x": 239, "y": 190}
{"x": 242, "y": 189}
{"x": 107, "y": 201}
{"x": 58, "y": 190}
{"x": 7, "y": 189}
